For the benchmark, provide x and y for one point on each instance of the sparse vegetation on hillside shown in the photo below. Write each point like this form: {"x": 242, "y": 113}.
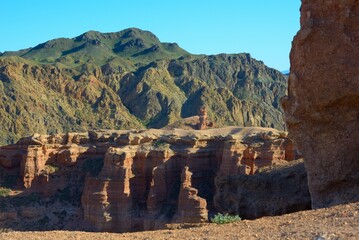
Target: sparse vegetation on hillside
{"x": 159, "y": 144}
{"x": 129, "y": 79}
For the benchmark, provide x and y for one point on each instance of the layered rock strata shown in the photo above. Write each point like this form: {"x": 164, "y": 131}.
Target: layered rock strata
{"x": 323, "y": 97}
{"x": 143, "y": 179}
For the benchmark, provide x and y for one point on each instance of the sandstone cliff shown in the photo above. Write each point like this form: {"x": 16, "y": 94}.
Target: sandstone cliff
{"x": 132, "y": 180}
{"x": 130, "y": 79}
{"x": 323, "y": 97}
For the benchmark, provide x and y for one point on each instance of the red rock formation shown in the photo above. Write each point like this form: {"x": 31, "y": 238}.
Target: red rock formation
{"x": 202, "y": 125}
{"x": 157, "y": 194}
{"x": 32, "y": 164}
{"x": 139, "y": 185}
{"x": 191, "y": 208}
{"x": 323, "y": 97}
{"x": 261, "y": 149}
{"x": 10, "y": 156}
{"x": 107, "y": 198}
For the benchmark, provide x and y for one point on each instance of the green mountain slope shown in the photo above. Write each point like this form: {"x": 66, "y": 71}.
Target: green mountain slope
{"x": 129, "y": 79}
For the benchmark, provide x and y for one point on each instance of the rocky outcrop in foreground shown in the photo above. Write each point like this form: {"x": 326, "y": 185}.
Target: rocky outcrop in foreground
{"x": 322, "y": 107}
{"x": 132, "y": 180}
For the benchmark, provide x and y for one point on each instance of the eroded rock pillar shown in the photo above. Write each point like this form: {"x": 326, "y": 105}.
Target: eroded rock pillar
{"x": 191, "y": 207}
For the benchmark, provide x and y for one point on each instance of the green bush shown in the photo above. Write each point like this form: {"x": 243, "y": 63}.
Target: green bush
{"x": 222, "y": 219}
{"x": 50, "y": 169}
{"x": 4, "y": 192}
{"x": 160, "y": 145}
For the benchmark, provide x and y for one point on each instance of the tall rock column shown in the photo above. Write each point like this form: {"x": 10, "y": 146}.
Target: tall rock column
{"x": 191, "y": 207}
{"x": 32, "y": 164}
{"x": 322, "y": 106}
{"x": 202, "y": 125}
{"x": 106, "y": 198}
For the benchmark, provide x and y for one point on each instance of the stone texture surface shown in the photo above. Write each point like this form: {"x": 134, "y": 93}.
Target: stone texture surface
{"x": 339, "y": 222}
{"x": 107, "y": 197}
{"x": 322, "y": 106}
{"x": 275, "y": 191}
{"x": 202, "y": 114}
{"x": 133, "y": 180}
{"x": 191, "y": 208}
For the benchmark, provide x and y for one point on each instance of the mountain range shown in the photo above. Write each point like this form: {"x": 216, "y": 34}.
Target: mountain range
{"x": 129, "y": 79}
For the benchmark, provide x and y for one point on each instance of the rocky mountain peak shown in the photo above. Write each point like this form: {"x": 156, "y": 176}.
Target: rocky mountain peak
{"x": 130, "y": 79}
{"x": 90, "y": 36}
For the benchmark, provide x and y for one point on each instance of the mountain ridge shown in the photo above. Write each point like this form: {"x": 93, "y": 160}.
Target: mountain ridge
{"x": 129, "y": 79}
{"x": 125, "y": 43}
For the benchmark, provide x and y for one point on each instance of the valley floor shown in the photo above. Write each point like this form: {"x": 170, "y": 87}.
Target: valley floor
{"x": 339, "y": 222}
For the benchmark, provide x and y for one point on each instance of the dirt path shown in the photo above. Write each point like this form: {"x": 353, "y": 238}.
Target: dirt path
{"x": 340, "y": 222}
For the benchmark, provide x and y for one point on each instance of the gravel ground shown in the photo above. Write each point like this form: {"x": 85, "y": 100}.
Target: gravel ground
{"x": 339, "y": 222}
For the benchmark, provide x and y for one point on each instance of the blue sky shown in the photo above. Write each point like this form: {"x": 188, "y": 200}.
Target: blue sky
{"x": 263, "y": 28}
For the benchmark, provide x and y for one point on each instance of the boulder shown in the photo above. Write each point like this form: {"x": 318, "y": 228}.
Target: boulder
{"x": 322, "y": 112}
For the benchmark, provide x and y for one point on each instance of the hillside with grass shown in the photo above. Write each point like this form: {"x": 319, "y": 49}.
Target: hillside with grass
{"x": 129, "y": 79}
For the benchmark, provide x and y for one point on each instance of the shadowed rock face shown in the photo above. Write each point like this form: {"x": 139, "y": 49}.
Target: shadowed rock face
{"x": 322, "y": 107}
{"x": 135, "y": 180}
{"x": 272, "y": 192}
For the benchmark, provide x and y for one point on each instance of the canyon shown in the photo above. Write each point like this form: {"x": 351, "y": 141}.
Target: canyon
{"x": 134, "y": 180}
{"x": 138, "y": 180}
